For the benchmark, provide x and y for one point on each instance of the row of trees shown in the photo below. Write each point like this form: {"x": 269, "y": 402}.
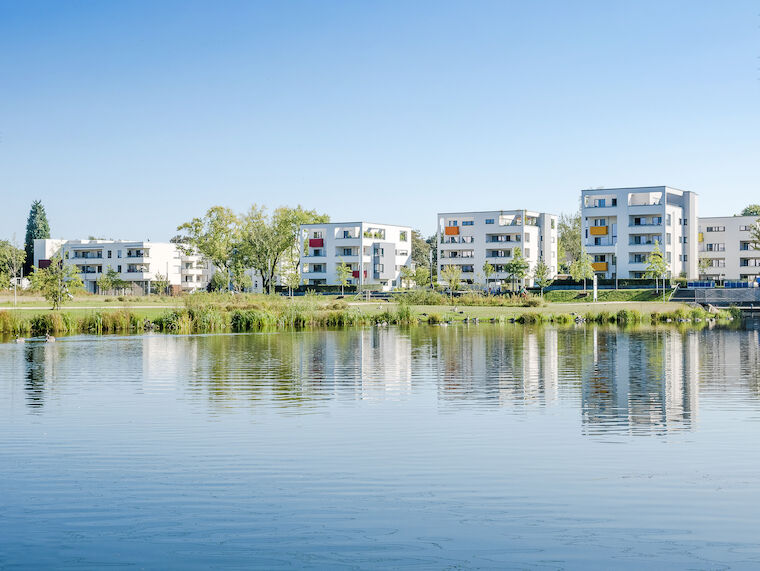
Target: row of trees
{"x": 517, "y": 270}
{"x": 236, "y": 242}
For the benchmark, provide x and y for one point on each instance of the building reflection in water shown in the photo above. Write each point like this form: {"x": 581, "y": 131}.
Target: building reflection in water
{"x": 289, "y": 368}
{"x": 640, "y": 381}
{"x": 39, "y": 372}
{"x": 634, "y": 380}
{"x": 497, "y": 365}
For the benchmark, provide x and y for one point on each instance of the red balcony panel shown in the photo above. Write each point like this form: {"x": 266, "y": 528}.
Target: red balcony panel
{"x": 365, "y": 273}
{"x": 316, "y": 243}
{"x": 355, "y": 273}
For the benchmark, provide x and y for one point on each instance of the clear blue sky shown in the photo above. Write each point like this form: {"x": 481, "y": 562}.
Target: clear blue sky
{"x": 129, "y": 118}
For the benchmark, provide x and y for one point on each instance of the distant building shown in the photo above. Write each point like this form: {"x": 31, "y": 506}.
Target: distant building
{"x": 470, "y": 239}
{"x": 726, "y": 242}
{"x": 620, "y": 226}
{"x": 138, "y": 262}
{"x": 374, "y": 252}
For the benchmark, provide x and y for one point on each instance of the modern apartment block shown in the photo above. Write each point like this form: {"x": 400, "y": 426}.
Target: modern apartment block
{"x": 470, "y": 239}
{"x": 138, "y": 262}
{"x": 726, "y": 243}
{"x": 375, "y": 253}
{"x": 620, "y": 226}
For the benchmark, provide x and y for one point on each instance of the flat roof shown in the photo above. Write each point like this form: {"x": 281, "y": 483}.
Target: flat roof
{"x": 513, "y": 211}
{"x": 665, "y": 186}
{"x": 350, "y": 223}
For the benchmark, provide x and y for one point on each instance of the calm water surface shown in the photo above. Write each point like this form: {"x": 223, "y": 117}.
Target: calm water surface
{"x": 486, "y": 447}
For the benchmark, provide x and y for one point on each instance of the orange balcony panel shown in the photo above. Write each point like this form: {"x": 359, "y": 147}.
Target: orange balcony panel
{"x": 598, "y": 230}
{"x": 451, "y": 231}
{"x": 599, "y": 266}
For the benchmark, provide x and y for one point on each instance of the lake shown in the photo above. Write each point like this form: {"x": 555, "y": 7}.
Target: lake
{"x": 429, "y": 447}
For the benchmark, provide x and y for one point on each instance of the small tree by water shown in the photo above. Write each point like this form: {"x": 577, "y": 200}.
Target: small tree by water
{"x": 57, "y": 283}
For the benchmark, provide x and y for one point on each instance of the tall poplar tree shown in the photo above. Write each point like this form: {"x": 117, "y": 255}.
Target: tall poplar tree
{"x": 36, "y": 227}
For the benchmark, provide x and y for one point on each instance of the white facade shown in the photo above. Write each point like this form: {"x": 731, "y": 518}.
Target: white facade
{"x": 620, "y": 226}
{"x": 470, "y": 239}
{"x": 726, "y": 242}
{"x": 137, "y": 262}
{"x": 375, "y": 252}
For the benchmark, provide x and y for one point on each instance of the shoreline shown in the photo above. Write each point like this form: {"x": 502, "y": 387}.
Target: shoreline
{"x": 279, "y": 316}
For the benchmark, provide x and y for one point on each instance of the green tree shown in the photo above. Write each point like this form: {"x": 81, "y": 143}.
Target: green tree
{"x": 37, "y": 227}
{"x": 517, "y": 267}
{"x": 452, "y": 275}
{"x": 265, "y": 239}
{"x": 569, "y": 245}
{"x": 420, "y": 250}
{"x": 216, "y": 236}
{"x": 542, "y": 276}
{"x": 488, "y": 271}
{"x": 657, "y": 267}
{"x": 344, "y": 274}
{"x": 704, "y": 264}
{"x": 11, "y": 262}
{"x": 57, "y": 283}
{"x": 219, "y": 282}
{"x": 422, "y": 276}
{"x": 289, "y": 271}
{"x": 751, "y": 210}
{"x": 582, "y": 268}
{"x": 111, "y": 281}
{"x": 161, "y": 284}
{"x": 407, "y": 276}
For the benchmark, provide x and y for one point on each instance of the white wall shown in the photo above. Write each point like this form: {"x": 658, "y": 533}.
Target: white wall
{"x": 731, "y": 244}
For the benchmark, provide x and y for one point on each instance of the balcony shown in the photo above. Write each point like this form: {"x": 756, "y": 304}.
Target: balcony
{"x": 88, "y": 255}
{"x": 599, "y": 266}
{"x": 451, "y": 231}
{"x": 598, "y": 230}
{"x": 355, "y": 273}
{"x": 316, "y": 243}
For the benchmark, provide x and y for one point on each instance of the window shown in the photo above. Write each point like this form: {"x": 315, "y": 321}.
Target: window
{"x": 553, "y": 224}
{"x": 380, "y": 251}
{"x": 715, "y": 229}
{"x": 468, "y": 222}
{"x": 468, "y": 269}
{"x": 348, "y": 252}
{"x": 452, "y": 223}
{"x": 669, "y": 220}
{"x": 600, "y": 222}
{"x": 379, "y": 267}
{"x": 118, "y": 269}
{"x": 109, "y": 253}
{"x": 744, "y": 228}
{"x": 346, "y": 233}
{"x": 402, "y": 236}
{"x": 467, "y": 239}
{"x": 118, "y": 253}
{"x": 490, "y": 221}
{"x": 527, "y": 252}
{"x": 597, "y": 241}
{"x": 402, "y": 252}
{"x": 614, "y": 202}
{"x": 317, "y": 252}
{"x": 668, "y": 238}
{"x": 599, "y": 258}
{"x": 316, "y": 234}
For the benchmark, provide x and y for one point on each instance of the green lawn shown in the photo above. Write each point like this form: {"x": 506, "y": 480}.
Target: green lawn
{"x": 578, "y": 296}
{"x": 486, "y": 312}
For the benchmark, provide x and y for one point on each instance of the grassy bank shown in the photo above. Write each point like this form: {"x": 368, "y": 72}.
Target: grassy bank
{"x": 221, "y": 313}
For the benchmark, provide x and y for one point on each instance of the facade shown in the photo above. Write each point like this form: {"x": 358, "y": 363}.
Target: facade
{"x": 470, "y": 239}
{"x": 375, "y": 253}
{"x": 726, "y": 243}
{"x": 620, "y": 226}
{"x": 138, "y": 262}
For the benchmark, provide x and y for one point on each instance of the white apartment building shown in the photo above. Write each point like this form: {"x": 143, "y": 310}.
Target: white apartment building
{"x": 470, "y": 239}
{"x": 375, "y": 252}
{"x": 138, "y": 262}
{"x": 726, "y": 243}
{"x": 620, "y": 226}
